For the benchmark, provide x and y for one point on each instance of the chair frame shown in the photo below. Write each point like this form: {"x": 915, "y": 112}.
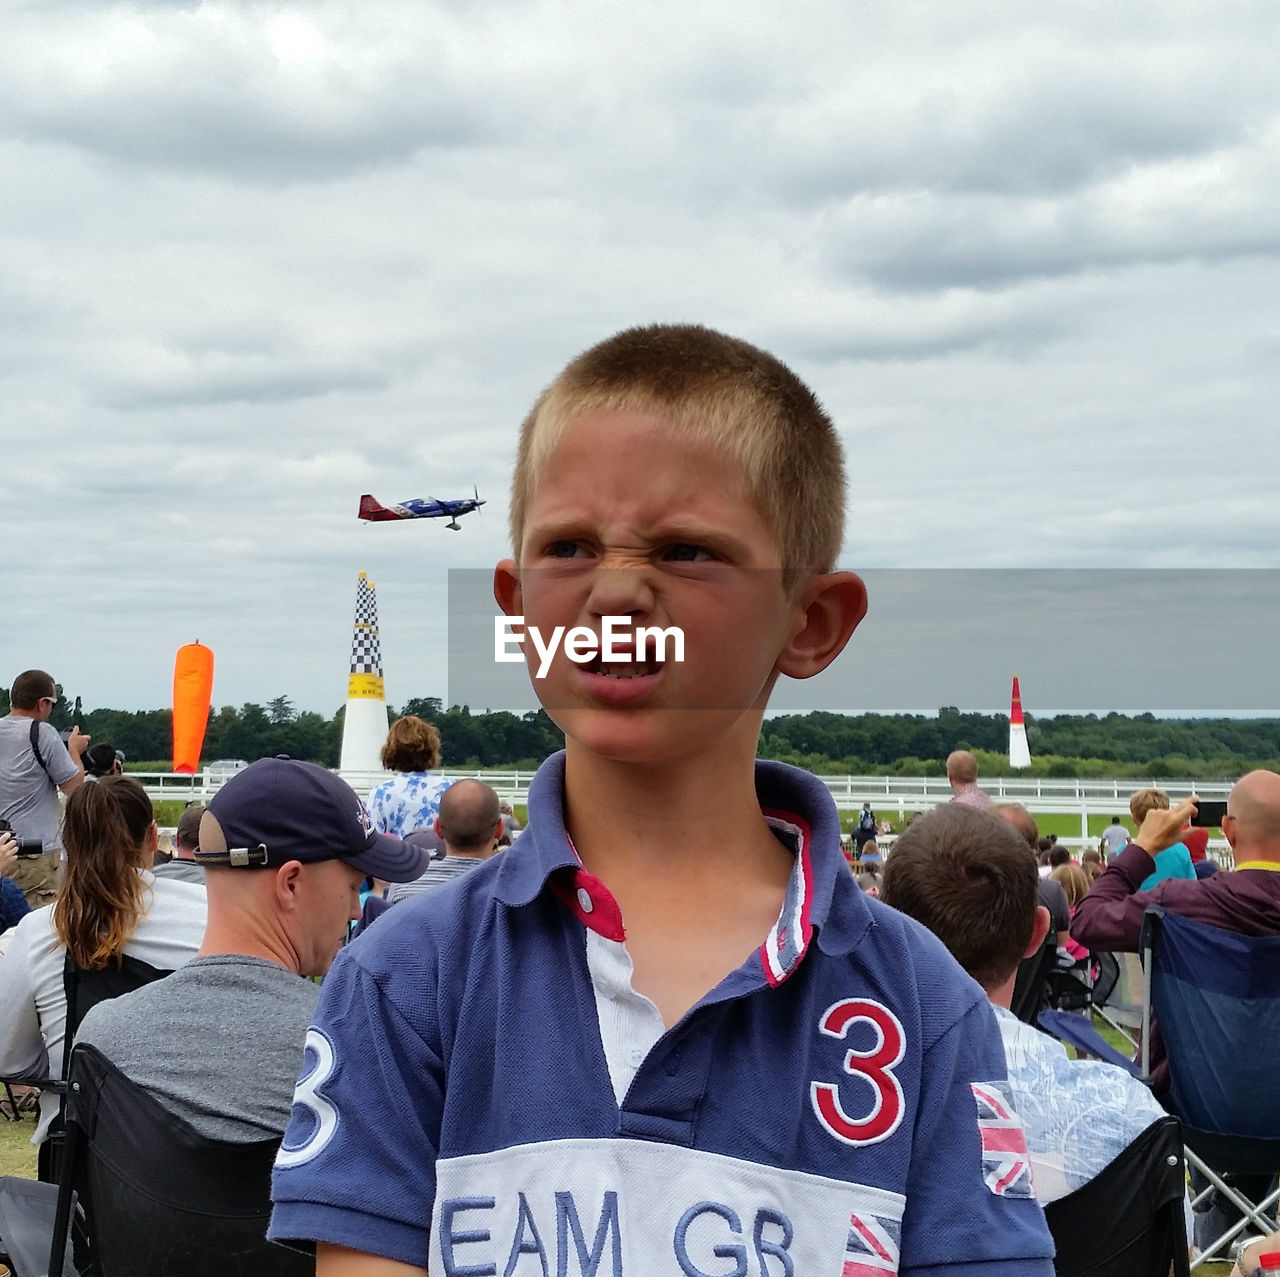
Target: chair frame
{"x": 1202, "y": 1146}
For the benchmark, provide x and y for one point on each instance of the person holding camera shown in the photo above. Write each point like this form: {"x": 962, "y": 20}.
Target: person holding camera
{"x": 13, "y": 902}
{"x": 34, "y": 765}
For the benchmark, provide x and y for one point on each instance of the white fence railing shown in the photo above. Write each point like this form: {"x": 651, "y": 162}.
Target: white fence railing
{"x": 902, "y": 794}
{"x": 848, "y": 791}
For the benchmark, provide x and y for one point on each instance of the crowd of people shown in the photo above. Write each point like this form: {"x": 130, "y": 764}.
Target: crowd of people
{"x": 658, "y": 1030}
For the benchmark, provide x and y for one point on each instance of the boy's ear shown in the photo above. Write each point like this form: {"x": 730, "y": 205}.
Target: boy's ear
{"x": 506, "y": 588}
{"x": 829, "y": 607}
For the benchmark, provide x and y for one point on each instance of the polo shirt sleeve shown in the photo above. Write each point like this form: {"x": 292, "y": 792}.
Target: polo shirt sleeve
{"x": 357, "y": 1163}
{"x": 969, "y": 1206}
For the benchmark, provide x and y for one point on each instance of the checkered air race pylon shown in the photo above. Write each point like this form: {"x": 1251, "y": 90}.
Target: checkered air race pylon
{"x": 365, "y": 681}
{"x": 1019, "y": 753}
{"x": 364, "y": 726}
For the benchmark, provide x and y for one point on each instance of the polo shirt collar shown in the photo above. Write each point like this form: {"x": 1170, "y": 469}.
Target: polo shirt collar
{"x": 799, "y": 809}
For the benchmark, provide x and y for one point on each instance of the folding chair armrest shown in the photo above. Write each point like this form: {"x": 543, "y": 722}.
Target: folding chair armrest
{"x": 1078, "y": 1031}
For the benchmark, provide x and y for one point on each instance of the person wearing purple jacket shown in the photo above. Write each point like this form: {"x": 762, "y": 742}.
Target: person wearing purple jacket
{"x": 1246, "y": 901}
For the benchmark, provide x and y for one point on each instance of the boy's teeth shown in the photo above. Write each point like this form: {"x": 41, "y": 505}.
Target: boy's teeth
{"x": 611, "y": 669}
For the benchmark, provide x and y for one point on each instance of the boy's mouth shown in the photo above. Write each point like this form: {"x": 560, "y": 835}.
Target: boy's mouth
{"x": 622, "y": 669}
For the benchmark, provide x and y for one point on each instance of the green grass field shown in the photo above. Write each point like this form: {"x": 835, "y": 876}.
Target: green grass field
{"x": 17, "y": 1154}
{"x": 1065, "y": 824}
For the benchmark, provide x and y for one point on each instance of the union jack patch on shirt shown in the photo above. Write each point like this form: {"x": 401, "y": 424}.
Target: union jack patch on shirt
{"x": 872, "y": 1248}
{"x": 1006, "y": 1167}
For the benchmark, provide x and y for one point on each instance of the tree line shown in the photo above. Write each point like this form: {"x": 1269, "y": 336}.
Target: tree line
{"x": 863, "y": 744}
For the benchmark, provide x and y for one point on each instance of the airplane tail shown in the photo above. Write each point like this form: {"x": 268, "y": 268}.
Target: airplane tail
{"x": 373, "y": 510}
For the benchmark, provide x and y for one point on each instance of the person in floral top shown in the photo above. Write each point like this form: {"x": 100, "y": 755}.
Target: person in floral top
{"x": 411, "y": 798}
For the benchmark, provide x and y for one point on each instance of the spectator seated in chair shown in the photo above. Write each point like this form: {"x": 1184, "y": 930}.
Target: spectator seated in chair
{"x": 1245, "y": 900}
{"x": 285, "y": 846}
{"x": 108, "y": 905}
{"x": 967, "y": 876}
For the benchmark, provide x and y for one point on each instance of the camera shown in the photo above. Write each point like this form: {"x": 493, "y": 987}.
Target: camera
{"x": 28, "y": 848}
{"x": 1208, "y": 814}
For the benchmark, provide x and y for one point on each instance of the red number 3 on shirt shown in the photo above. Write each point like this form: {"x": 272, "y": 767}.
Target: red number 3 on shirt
{"x": 873, "y": 1067}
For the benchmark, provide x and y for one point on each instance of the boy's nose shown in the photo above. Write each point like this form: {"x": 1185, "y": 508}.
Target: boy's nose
{"x": 620, "y": 592}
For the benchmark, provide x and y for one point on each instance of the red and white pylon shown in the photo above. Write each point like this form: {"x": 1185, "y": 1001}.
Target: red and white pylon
{"x": 1019, "y": 754}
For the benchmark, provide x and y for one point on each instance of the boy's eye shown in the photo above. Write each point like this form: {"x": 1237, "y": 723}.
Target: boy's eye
{"x": 685, "y": 552}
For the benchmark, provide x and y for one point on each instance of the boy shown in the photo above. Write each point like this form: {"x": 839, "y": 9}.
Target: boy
{"x": 765, "y": 1073}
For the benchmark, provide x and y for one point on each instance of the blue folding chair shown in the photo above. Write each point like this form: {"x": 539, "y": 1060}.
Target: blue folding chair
{"x": 1078, "y": 1031}
{"x": 1216, "y": 997}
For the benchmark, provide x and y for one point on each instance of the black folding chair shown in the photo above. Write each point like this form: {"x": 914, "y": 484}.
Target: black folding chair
{"x": 1216, "y": 996}
{"x": 27, "y": 1207}
{"x": 1128, "y": 1220}
{"x": 83, "y": 990}
{"x": 1031, "y": 983}
{"x": 159, "y": 1198}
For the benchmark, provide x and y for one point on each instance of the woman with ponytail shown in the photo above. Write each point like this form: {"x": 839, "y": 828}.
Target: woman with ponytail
{"x": 108, "y": 904}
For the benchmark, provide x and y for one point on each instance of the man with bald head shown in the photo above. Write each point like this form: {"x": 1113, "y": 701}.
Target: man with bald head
{"x": 1247, "y": 900}
{"x": 469, "y": 822}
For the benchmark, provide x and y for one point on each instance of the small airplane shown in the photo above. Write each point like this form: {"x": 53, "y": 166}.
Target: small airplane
{"x": 375, "y": 512}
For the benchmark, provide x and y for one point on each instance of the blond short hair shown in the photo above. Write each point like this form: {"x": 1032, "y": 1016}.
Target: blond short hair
{"x": 1147, "y": 800}
{"x": 712, "y": 389}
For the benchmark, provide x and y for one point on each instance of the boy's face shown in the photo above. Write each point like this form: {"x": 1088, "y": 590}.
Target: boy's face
{"x": 629, "y": 518}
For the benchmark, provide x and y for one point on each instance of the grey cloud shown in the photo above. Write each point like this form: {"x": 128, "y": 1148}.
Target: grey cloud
{"x": 209, "y": 91}
{"x": 1001, "y": 244}
{"x": 1049, "y": 131}
{"x": 254, "y": 379}
{"x": 925, "y": 242}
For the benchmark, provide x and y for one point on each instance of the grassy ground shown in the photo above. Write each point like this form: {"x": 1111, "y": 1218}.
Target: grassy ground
{"x": 17, "y": 1154}
{"x": 1065, "y": 824}
{"x": 168, "y": 811}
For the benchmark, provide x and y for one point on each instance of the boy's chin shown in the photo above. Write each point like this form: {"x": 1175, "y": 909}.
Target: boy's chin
{"x": 656, "y": 738}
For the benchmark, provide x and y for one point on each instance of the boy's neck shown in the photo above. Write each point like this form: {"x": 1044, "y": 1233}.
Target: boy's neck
{"x": 687, "y": 820}
{"x": 687, "y": 855}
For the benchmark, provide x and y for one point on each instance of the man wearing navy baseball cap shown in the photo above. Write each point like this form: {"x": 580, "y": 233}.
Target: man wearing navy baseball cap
{"x": 285, "y": 846}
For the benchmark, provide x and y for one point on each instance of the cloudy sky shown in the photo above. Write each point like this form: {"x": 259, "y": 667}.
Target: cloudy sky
{"x": 257, "y": 259}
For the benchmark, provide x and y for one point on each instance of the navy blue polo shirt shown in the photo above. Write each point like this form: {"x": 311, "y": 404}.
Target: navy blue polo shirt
{"x": 835, "y": 1106}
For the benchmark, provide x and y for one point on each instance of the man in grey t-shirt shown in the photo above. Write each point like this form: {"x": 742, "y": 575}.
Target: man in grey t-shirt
{"x": 285, "y": 846}
{"x": 33, "y": 767}
{"x": 1114, "y": 838}
{"x": 470, "y": 824}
